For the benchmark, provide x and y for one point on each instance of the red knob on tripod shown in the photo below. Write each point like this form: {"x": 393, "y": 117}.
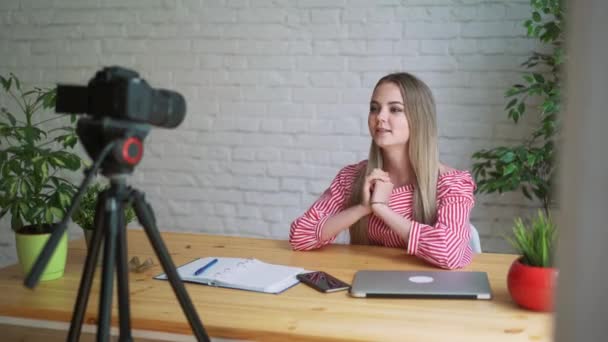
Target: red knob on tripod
{"x": 129, "y": 151}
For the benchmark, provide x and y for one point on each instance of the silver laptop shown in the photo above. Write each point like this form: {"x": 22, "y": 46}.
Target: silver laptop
{"x": 421, "y": 284}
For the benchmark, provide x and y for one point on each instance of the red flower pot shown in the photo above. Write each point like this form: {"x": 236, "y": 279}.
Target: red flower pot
{"x": 532, "y": 287}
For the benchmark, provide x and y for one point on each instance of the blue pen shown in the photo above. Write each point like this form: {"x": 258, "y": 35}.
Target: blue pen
{"x": 202, "y": 269}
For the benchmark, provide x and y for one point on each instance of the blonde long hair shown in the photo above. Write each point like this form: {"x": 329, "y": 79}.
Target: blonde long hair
{"x": 423, "y": 154}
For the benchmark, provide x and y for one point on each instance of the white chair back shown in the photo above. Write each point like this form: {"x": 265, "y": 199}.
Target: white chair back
{"x": 475, "y": 241}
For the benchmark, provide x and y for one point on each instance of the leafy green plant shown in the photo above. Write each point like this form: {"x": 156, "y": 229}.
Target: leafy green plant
{"x": 34, "y": 159}
{"x": 529, "y": 165}
{"x": 84, "y": 215}
{"x": 535, "y": 240}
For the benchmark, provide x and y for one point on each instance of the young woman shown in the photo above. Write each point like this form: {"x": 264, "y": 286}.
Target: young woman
{"x": 402, "y": 196}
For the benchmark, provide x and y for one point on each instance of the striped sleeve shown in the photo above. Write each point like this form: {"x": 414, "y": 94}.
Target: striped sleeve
{"x": 446, "y": 244}
{"x": 305, "y": 232}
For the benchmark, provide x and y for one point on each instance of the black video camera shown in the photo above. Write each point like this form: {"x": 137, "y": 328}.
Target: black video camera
{"x": 121, "y": 94}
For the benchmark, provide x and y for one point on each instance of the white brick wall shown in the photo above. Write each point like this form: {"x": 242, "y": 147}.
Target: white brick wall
{"x": 277, "y": 92}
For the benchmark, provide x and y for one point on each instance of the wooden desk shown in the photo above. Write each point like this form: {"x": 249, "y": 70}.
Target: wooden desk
{"x": 300, "y": 313}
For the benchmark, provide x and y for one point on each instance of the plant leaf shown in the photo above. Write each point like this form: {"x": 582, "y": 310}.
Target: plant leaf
{"x": 6, "y": 83}
{"x": 509, "y": 169}
{"x": 511, "y": 104}
{"x": 11, "y": 118}
{"x": 538, "y": 78}
{"x": 49, "y": 99}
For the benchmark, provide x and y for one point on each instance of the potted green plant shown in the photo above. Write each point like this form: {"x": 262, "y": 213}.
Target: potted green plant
{"x": 35, "y": 160}
{"x": 84, "y": 215}
{"x": 531, "y": 278}
{"x": 530, "y": 165}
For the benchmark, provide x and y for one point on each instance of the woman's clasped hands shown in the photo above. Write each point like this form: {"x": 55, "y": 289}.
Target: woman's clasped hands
{"x": 377, "y": 189}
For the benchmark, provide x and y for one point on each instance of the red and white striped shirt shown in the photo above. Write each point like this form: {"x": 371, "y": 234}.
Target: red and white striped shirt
{"x": 445, "y": 244}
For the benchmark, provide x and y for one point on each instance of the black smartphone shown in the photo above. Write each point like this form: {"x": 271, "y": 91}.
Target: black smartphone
{"x": 323, "y": 282}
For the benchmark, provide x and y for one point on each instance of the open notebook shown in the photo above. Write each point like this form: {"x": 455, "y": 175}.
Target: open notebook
{"x": 240, "y": 273}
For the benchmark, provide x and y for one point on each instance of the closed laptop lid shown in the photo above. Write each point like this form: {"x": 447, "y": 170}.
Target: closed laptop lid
{"x": 422, "y": 284}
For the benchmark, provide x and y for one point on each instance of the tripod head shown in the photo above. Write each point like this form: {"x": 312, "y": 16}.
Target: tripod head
{"x": 127, "y": 137}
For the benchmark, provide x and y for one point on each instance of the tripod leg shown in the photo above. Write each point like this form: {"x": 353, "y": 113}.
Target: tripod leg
{"x": 122, "y": 273}
{"x": 145, "y": 215}
{"x": 88, "y": 272}
{"x": 107, "y": 276}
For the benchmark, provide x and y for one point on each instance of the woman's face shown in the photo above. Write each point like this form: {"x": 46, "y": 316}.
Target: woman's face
{"x": 387, "y": 121}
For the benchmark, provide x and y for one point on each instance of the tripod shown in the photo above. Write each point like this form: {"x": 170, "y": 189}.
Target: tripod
{"x": 109, "y": 221}
{"x": 124, "y": 150}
